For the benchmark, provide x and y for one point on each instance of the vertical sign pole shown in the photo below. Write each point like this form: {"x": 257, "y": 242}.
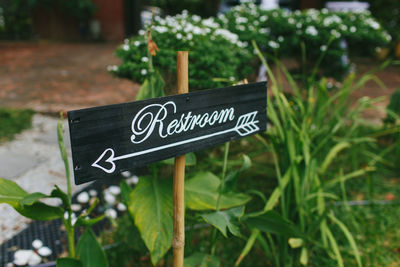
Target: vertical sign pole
{"x": 178, "y": 242}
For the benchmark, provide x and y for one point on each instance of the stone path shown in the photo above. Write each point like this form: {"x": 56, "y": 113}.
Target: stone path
{"x": 33, "y": 161}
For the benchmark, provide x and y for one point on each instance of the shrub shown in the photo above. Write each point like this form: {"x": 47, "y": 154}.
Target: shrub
{"x": 214, "y": 52}
{"x": 281, "y": 33}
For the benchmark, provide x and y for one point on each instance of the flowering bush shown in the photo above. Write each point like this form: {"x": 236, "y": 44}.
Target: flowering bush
{"x": 280, "y": 32}
{"x": 214, "y": 52}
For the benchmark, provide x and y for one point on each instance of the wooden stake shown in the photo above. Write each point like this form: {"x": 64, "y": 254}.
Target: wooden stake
{"x": 178, "y": 242}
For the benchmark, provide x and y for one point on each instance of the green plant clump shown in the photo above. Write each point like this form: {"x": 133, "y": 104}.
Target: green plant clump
{"x": 281, "y": 33}
{"x": 213, "y": 52}
{"x": 13, "y": 121}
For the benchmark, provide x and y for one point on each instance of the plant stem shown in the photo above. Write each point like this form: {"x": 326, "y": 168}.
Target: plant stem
{"x": 221, "y": 188}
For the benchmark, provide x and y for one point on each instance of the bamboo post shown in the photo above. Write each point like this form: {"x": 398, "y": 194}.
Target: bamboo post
{"x": 178, "y": 242}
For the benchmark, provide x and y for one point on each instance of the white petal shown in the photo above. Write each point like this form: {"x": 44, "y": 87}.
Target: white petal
{"x": 36, "y": 244}
{"x": 45, "y": 251}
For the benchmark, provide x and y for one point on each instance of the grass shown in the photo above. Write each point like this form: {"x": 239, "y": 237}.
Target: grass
{"x": 13, "y": 121}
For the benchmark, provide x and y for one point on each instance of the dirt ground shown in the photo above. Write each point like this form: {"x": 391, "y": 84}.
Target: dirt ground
{"x": 49, "y": 77}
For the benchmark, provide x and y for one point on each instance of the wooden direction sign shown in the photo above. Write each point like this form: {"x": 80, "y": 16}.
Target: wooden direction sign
{"x": 110, "y": 139}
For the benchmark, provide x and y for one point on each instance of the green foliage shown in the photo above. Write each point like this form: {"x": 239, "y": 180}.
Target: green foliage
{"x": 201, "y": 260}
{"x": 13, "y": 121}
{"x": 393, "y": 109}
{"x": 68, "y": 262}
{"x": 387, "y": 12}
{"x": 282, "y": 33}
{"x": 89, "y": 251}
{"x": 202, "y": 193}
{"x": 213, "y": 52}
{"x": 225, "y": 220}
{"x": 151, "y": 208}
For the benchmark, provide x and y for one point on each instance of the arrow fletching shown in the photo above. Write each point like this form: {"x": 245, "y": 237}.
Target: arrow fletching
{"x": 246, "y": 124}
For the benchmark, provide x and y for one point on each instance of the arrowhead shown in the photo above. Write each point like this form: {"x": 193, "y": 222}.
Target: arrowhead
{"x": 106, "y": 161}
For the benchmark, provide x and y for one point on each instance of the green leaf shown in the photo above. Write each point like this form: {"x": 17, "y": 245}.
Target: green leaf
{"x": 40, "y": 211}
{"x": 11, "y": 193}
{"x": 125, "y": 192}
{"x": 90, "y": 252}
{"x": 68, "y": 262}
{"x": 85, "y": 221}
{"x": 231, "y": 177}
{"x": 57, "y": 192}
{"x": 190, "y": 160}
{"x": 227, "y": 219}
{"x": 201, "y": 260}
{"x": 201, "y": 193}
{"x": 32, "y": 198}
{"x": 152, "y": 87}
{"x": 272, "y": 222}
{"x": 151, "y": 207}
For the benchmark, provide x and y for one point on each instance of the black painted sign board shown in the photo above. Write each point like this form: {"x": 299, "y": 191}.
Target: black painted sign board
{"x": 109, "y": 139}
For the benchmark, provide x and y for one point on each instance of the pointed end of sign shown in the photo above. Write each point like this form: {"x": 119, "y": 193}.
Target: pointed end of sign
{"x": 106, "y": 161}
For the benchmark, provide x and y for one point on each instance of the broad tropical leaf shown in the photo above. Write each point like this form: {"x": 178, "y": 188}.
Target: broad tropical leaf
{"x": 151, "y": 207}
{"x": 201, "y": 193}
{"x": 225, "y": 220}
{"x": 90, "y": 252}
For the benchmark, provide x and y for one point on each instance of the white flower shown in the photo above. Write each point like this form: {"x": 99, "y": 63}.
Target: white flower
{"x": 263, "y": 18}
{"x": 161, "y": 29}
{"x": 264, "y": 30}
{"x": 299, "y": 25}
{"x": 111, "y": 213}
{"x": 353, "y": 29}
{"x": 241, "y": 20}
{"x": 335, "y": 33}
{"x": 136, "y": 43}
{"x": 121, "y": 207}
{"x": 231, "y": 78}
{"x": 142, "y": 32}
{"x": 196, "y": 18}
{"x": 125, "y": 47}
{"x": 273, "y": 44}
{"x": 144, "y": 59}
{"x": 126, "y": 41}
{"x": 291, "y": 20}
{"x": 143, "y": 72}
{"x": 179, "y": 36}
{"x": 280, "y": 39}
{"x": 240, "y": 27}
{"x": 311, "y": 30}
{"x": 189, "y": 36}
{"x": 343, "y": 27}
{"x": 323, "y": 48}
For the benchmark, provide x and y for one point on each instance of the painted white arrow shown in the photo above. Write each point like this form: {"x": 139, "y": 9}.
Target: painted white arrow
{"x": 246, "y": 124}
